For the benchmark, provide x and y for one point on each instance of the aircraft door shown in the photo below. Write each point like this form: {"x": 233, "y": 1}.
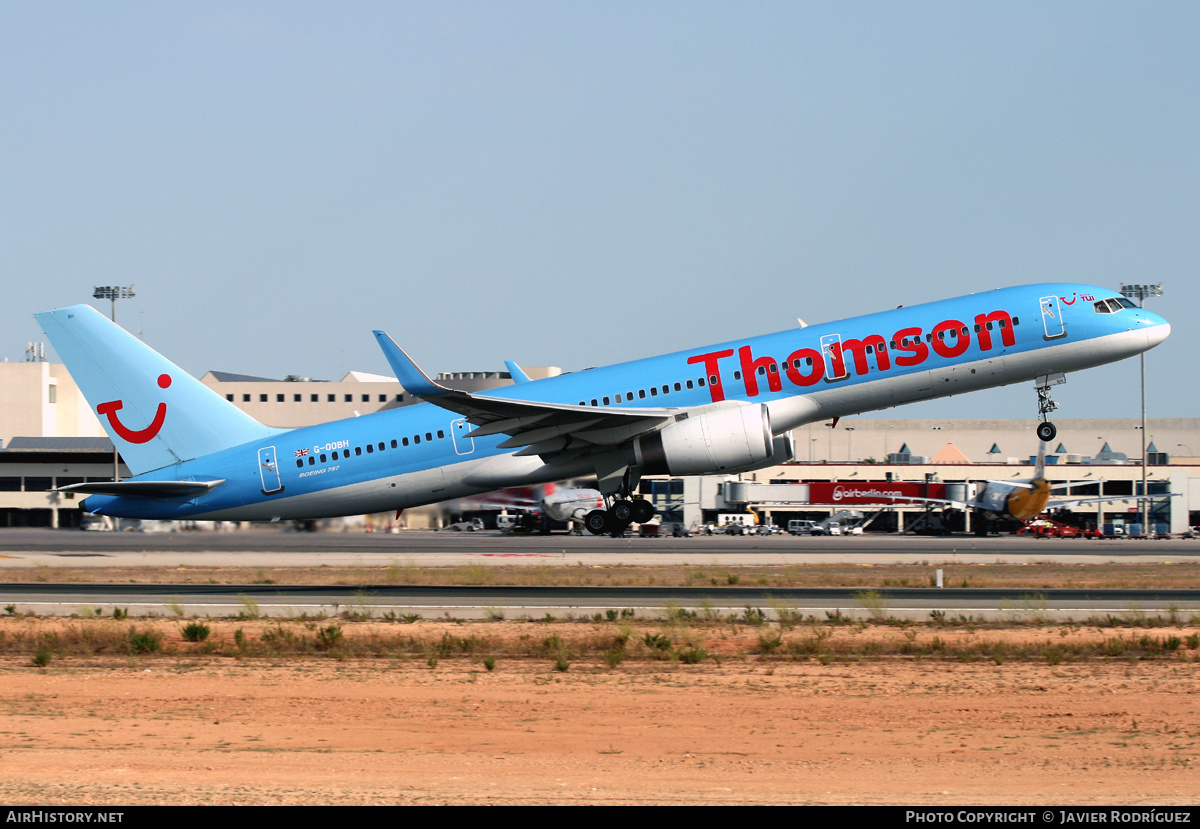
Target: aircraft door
{"x": 835, "y": 362}
{"x": 268, "y": 470}
{"x": 463, "y": 444}
{"x": 1052, "y": 318}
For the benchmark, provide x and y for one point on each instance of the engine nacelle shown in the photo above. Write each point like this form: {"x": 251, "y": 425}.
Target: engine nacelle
{"x": 783, "y": 449}
{"x": 726, "y": 439}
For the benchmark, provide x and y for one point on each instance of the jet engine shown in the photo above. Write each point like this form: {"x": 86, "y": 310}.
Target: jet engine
{"x": 783, "y": 450}
{"x": 727, "y": 439}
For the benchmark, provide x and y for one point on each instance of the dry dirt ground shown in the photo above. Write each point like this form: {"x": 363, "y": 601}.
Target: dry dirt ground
{"x": 196, "y": 729}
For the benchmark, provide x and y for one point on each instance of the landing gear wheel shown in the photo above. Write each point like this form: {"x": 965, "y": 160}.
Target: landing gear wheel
{"x": 1046, "y": 431}
{"x": 597, "y": 522}
{"x": 622, "y": 512}
{"x": 643, "y": 511}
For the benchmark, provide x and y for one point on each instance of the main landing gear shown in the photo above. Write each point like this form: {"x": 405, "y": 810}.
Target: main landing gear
{"x": 623, "y": 509}
{"x": 617, "y": 518}
{"x": 1046, "y": 430}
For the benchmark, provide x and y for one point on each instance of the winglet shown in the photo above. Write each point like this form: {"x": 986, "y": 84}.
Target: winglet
{"x": 516, "y": 372}
{"x": 415, "y": 381}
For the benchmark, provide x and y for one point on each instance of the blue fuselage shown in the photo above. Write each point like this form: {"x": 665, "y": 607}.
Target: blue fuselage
{"x": 421, "y": 453}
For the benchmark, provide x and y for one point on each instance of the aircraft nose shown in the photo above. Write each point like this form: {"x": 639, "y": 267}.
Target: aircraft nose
{"x": 1158, "y": 330}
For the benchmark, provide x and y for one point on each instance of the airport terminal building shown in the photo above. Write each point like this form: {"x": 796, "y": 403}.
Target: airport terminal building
{"x": 49, "y": 438}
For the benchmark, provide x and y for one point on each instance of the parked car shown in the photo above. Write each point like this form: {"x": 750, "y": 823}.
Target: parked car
{"x": 470, "y": 525}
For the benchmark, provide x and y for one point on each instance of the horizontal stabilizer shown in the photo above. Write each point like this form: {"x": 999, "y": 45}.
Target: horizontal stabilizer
{"x": 145, "y": 489}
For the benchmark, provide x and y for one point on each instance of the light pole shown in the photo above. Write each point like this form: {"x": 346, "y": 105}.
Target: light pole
{"x": 850, "y": 443}
{"x": 113, "y": 292}
{"x": 1141, "y": 293}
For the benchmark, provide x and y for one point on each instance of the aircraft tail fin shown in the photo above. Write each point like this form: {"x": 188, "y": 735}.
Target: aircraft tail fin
{"x": 156, "y": 413}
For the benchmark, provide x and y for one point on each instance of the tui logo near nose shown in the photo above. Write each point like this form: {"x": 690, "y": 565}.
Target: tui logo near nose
{"x": 111, "y": 408}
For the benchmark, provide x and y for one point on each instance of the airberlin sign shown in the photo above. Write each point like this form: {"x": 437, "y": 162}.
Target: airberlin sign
{"x": 807, "y": 366}
{"x": 871, "y": 492}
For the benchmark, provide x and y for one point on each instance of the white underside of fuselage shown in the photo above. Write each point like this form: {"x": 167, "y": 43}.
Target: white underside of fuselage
{"x": 830, "y": 399}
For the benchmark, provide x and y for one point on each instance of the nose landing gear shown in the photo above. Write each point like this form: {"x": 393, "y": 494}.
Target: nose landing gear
{"x": 1046, "y": 430}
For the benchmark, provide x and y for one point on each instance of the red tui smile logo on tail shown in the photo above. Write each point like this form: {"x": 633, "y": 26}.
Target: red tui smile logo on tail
{"x": 111, "y": 408}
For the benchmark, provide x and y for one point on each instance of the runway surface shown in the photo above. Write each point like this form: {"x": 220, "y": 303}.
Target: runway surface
{"x": 268, "y": 547}
{"x": 272, "y": 548}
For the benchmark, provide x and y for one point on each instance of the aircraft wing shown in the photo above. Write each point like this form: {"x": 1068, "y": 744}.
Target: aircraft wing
{"x": 145, "y": 489}
{"x": 948, "y": 502}
{"x": 541, "y": 428}
{"x": 1108, "y": 499}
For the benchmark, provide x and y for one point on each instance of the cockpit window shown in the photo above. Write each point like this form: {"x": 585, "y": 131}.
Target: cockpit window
{"x": 1112, "y": 305}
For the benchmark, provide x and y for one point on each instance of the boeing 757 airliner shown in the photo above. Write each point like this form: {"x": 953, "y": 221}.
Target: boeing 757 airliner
{"x": 720, "y": 409}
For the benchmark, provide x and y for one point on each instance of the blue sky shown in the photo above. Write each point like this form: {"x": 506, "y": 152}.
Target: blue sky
{"x": 581, "y": 183}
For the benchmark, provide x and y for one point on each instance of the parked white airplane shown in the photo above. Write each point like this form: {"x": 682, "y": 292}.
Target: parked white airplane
{"x": 1020, "y": 499}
